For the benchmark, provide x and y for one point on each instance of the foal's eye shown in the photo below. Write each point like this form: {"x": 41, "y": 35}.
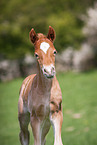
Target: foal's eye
{"x": 36, "y": 55}
{"x": 55, "y": 52}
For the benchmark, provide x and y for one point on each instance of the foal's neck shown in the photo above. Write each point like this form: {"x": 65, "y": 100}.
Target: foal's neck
{"x": 44, "y": 83}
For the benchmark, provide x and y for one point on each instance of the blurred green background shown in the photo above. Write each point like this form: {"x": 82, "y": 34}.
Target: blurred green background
{"x": 79, "y": 92}
{"x": 17, "y": 17}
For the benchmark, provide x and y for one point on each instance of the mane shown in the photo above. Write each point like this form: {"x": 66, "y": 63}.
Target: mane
{"x": 41, "y": 36}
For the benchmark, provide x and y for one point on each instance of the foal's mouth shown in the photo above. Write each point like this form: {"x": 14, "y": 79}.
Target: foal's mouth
{"x": 49, "y": 76}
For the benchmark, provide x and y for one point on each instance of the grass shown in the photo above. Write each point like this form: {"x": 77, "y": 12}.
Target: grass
{"x": 79, "y": 110}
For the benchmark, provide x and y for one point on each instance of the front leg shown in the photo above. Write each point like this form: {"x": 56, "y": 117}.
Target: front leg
{"x": 35, "y": 124}
{"x": 39, "y": 128}
{"x": 56, "y": 118}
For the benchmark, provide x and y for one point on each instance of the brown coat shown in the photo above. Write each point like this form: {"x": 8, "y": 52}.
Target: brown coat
{"x": 40, "y": 101}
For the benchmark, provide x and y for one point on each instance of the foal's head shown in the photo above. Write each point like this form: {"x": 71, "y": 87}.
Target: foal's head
{"x": 45, "y": 51}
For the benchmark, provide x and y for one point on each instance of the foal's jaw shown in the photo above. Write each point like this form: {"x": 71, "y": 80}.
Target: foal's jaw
{"x": 49, "y": 71}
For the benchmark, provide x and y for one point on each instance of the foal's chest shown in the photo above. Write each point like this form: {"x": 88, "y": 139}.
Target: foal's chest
{"x": 41, "y": 106}
{"x": 42, "y": 111}
{"x": 43, "y": 102}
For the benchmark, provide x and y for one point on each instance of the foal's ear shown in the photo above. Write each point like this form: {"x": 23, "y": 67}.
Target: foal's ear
{"x": 51, "y": 34}
{"x": 33, "y": 36}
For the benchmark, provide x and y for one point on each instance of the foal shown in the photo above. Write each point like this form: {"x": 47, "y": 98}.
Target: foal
{"x": 40, "y": 101}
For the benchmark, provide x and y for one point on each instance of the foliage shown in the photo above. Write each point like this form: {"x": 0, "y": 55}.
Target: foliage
{"x": 17, "y": 17}
{"x": 79, "y": 93}
{"x": 90, "y": 28}
{"x": 91, "y": 21}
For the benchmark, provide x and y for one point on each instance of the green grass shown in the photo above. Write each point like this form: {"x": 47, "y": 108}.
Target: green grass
{"x": 79, "y": 110}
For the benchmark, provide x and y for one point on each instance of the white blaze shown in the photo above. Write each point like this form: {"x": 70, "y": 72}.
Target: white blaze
{"x": 44, "y": 46}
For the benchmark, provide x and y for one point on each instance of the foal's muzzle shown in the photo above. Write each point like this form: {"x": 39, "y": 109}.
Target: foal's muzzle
{"x": 48, "y": 71}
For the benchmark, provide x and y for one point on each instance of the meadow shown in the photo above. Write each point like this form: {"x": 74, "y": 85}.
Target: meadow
{"x": 79, "y": 93}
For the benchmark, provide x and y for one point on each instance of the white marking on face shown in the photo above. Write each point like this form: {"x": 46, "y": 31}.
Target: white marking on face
{"x": 44, "y": 46}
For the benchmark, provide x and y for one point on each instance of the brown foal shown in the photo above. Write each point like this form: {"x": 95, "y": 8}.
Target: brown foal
{"x": 40, "y": 101}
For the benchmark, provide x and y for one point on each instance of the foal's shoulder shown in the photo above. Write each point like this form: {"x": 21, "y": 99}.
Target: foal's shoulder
{"x": 26, "y": 85}
{"x": 55, "y": 83}
{"x": 28, "y": 79}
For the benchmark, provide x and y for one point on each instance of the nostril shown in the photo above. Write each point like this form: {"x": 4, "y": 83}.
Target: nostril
{"x": 44, "y": 70}
{"x": 53, "y": 68}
